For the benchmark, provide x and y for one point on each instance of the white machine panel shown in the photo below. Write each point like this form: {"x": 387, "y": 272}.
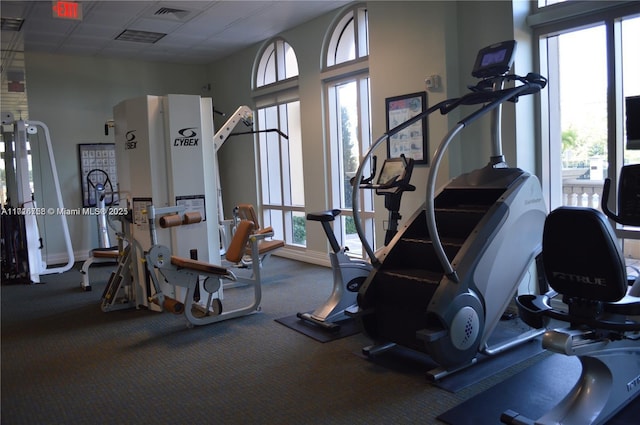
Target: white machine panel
{"x": 191, "y": 181}
{"x": 165, "y": 154}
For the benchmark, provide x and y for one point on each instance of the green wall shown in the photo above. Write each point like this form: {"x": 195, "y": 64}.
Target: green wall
{"x": 74, "y": 96}
{"x": 408, "y": 42}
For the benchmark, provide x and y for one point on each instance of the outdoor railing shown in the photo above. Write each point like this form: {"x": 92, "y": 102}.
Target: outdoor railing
{"x": 582, "y": 193}
{"x": 588, "y": 193}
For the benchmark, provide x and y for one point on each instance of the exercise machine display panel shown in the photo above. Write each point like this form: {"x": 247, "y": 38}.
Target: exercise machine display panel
{"x": 393, "y": 170}
{"x": 494, "y": 60}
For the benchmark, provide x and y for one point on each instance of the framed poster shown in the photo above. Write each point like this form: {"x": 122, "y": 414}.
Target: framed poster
{"x": 412, "y": 140}
{"x": 98, "y": 166}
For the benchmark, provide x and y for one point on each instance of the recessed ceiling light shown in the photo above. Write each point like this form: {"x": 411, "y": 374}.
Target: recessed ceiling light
{"x": 11, "y": 24}
{"x": 140, "y": 36}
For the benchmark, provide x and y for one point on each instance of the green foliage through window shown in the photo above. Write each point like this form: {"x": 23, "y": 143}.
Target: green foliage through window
{"x": 299, "y": 230}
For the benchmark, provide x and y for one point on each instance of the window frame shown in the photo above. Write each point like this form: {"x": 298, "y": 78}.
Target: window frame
{"x": 277, "y": 46}
{"x": 333, "y": 75}
{"x": 278, "y": 94}
{"x": 357, "y": 13}
{"x": 561, "y": 18}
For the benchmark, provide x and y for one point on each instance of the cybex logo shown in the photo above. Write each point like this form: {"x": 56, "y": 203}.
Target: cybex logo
{"x": 187, "y": 137}
{"x": 131, "y": 142}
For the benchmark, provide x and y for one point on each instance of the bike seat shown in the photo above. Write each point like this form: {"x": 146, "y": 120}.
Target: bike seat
{"x": 328, "y": 215}
{"x": 583, "y": 262}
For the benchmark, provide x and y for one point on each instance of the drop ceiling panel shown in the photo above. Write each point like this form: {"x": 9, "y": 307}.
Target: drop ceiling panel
{"x": 14, "y": 9}
{"x": 222, "y": 15}
{"x": 155, "y": 25}
{"x": 206, "y": 32}
{"x": 98, "y": 32}
{"x": 117, "y": 14}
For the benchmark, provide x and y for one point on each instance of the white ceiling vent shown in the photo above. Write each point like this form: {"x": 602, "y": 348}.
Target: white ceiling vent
{"x": 172, "y": 14}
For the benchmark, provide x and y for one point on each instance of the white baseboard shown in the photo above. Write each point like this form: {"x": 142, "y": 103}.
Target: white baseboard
{"x": 312, "y": 257}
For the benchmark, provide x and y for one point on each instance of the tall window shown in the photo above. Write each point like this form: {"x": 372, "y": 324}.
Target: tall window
{"x": 348, "y": 112}
{"x": 592, "y": 63}
{"x": 630, "y": 56}
{"x": 280, "y": 152}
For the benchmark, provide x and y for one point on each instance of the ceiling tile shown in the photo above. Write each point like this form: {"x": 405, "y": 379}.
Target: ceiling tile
{"x": 209, "y": 31}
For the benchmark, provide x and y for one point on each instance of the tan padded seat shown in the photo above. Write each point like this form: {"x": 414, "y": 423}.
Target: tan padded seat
{"x": 266, "y": 246}
{"x": 201, "y": 266}
{"x": 105, "y": 253}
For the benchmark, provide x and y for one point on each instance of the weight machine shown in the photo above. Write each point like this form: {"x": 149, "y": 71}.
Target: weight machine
{"x": 166, "y": 167}
{"x": 164, "y": 155}
{"x": 241, "y": 115}
{"x": 26, "y": 205}
{"x": 188, "y": 272}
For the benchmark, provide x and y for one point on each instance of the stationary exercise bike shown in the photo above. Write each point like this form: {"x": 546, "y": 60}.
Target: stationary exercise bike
{"x": 445, "y": 280}
{"x": 349, "y": 273}
{"x": 583, "y": 263}
{"x": 628, "y": 205}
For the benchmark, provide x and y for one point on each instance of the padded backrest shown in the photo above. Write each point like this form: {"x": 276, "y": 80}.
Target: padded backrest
{"x": 628, "y": 202}
{"x": 247, "y": 212}
{"x": 238, "y": 244}
{"x": 581, "y": 255}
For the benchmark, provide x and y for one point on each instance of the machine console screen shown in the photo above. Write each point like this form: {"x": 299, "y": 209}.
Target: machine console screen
{"x": 494, "y": 60}
{"x": 392, "y": 170}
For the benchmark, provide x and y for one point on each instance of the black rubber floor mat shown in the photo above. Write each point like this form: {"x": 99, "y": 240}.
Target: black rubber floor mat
{"x": 531, "y": 393}
{"x": 348, "y": 327}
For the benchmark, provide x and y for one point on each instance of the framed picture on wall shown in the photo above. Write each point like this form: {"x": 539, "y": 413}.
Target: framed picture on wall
{"x": 98, "y": 166}
{"x": 410, "y": 141}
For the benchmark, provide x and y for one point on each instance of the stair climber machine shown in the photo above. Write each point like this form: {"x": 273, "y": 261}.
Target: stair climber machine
{"x": 444, "y": 281}
{"x": 349, "y": 273}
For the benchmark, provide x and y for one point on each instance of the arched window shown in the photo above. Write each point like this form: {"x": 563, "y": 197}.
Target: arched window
{"x": 280, "y": 157}
{"x": 348, "y": 113}
{"x": 349, "y": 39}
{"x": 278, "y": 62}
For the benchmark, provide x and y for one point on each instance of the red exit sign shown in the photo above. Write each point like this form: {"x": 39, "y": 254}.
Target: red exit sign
{"x": 67, "y": 10}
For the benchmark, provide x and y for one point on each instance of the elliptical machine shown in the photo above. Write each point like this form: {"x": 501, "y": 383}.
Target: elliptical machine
{"x": 99, "y": 182}
{"x": 444, "y": 282}
{"x": 350, "y": 273}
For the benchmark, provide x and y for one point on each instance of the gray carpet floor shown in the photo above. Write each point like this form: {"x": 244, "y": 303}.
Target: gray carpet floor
{"x": 64, "y": 361}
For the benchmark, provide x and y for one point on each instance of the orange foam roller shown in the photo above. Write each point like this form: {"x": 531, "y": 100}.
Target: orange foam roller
{"x": 191, "y": 218}
{"x": 170, "y": 220}
{"x": 172, "y": 305}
